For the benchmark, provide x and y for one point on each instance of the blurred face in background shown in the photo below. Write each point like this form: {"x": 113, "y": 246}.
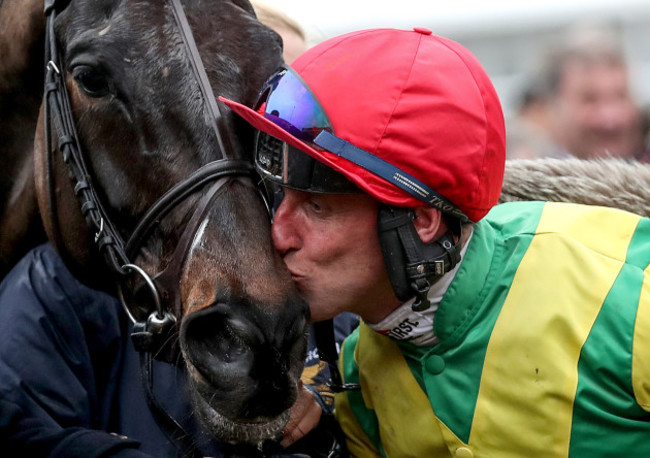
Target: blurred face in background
{"x": 593, "y": 112}
{"x": 293, "y": 44}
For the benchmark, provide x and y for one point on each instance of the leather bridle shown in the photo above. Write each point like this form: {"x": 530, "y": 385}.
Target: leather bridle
{"x": 117, "y": 252}
{"x": 152, "y": 335}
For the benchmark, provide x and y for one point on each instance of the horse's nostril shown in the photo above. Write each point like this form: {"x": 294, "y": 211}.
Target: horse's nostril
{"x": 249, "y": 358}
{"x": 219, "y": 346}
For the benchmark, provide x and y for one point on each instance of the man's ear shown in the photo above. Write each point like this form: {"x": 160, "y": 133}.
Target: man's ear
{"x": 429, "y": 223}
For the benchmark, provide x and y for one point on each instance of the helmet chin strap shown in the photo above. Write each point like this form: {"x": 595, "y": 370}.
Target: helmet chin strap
{"x": 412, "y": 265}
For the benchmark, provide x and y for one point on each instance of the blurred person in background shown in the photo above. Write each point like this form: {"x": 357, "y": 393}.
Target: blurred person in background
{"x": 528, "y": 131}
{"x": 584, "y": 87}
{"x": 293, "y": 35}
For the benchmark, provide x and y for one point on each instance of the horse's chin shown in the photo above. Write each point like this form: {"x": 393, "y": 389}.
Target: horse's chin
{"x": 238, "y": 432}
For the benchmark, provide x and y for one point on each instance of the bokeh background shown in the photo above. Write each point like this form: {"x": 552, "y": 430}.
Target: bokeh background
{"x": 506, "y": 35}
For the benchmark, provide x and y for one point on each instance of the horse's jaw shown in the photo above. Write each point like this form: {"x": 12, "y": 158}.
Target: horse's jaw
{"x": 252, "y": 432}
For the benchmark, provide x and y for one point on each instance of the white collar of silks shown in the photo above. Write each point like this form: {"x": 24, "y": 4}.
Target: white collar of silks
{"x": 417, "y": 327}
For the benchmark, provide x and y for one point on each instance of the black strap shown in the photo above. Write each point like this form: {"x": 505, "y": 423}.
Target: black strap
{"x": 324, "y": 336}
{"x": 58, "y": 112}
{"x": 174, "y": 432}
{"x": 168, "y": 201}
{"x": 388, "y": 172}
{"x": 414, "y": 265}
{"x": 201, "y": 76}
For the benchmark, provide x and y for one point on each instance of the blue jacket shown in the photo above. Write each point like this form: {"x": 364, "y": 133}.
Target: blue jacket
{"x": 69, "y": 375}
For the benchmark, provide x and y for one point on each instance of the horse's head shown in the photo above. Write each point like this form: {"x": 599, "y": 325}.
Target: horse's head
{"x": 144, "y": 126}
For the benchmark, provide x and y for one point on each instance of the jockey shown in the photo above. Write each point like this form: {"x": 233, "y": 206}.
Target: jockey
{"x": 521, "y": 329}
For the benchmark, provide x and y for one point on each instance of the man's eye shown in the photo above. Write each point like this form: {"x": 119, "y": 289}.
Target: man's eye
{"x": 91, "y": 80}
{"x": 315, "y": 206}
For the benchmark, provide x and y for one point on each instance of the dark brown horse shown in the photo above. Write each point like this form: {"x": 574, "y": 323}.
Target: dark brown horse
{"x": 144, "y": 124}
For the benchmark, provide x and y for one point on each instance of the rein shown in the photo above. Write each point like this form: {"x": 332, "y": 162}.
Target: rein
{"x": 152, "y": 337}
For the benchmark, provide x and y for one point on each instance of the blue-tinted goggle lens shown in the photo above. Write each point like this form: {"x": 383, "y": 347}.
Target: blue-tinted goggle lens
{"x": 288, "y": 102}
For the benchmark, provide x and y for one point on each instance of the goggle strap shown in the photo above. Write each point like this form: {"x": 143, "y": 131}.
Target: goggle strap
{"x": 387, "y": 171}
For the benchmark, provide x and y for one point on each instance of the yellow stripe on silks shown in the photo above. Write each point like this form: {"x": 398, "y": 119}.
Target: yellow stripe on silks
{"x": 641, "y": 347}
{"x": 530, "y": 374}
{"x": 358, "y": 442}
{"x": 359, "y": 445}
{"x": 409, "y": 427}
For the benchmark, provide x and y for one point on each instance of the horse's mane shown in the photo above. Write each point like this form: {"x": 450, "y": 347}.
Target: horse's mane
{"x": 609, "y": 182}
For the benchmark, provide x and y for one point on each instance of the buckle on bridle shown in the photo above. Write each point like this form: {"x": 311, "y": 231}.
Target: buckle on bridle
{"x": 52, "y": 66}
{"x": 152, "y": 288}
{"x": 151, "y": 335}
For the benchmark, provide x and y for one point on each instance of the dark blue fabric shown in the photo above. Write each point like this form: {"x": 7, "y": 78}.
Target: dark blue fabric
{"x": 344, "y": 324}
{"x": 69, "y": 375}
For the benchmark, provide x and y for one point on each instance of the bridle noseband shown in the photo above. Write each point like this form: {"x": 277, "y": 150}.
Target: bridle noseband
{"x": 150, "y": 336}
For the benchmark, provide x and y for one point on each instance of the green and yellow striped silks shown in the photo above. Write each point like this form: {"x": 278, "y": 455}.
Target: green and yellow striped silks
{"x": 544, "y": 352}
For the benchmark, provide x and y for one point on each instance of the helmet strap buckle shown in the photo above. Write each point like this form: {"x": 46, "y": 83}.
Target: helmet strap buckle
{"x": 412, "y": 265}
{"x": 421, "y": 287}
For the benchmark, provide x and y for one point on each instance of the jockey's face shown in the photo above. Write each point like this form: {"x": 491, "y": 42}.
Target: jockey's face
{"x": 331, "y": 247}
{"x": 594, "y": 112}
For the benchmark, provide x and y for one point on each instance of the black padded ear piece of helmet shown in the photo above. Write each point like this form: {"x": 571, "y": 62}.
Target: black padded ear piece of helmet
{"x": 413, "y": 265}
{"x": 389, "y": 219}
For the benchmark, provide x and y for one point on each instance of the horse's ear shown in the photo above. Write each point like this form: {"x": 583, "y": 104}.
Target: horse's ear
{"x": 245, "y": 5}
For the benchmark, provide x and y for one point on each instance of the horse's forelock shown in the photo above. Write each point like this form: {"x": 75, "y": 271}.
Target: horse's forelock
{"x": 242, "y": 54}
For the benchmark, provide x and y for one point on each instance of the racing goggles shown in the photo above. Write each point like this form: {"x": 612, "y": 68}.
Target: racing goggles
{"x": 287, "y": 101}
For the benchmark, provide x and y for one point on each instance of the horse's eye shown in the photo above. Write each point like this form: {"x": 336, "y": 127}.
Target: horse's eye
{"x": 92, "y": 81}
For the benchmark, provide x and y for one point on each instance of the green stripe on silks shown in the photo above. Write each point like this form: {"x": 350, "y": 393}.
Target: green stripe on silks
{"x": 453, "y": 393}
{"x": 638, "y": 253}
{"x": 605, "y": 405}
{"x": 365, "y": 416}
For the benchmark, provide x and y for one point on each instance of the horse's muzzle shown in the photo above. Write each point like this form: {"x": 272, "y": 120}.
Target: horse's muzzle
{"x": 245, "y": 360}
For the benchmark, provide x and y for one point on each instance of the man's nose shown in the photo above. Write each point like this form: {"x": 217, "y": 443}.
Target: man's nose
{"x": 283, "y": 230}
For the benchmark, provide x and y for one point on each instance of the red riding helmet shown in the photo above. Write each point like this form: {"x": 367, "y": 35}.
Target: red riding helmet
{"x": 407, "y": 116}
